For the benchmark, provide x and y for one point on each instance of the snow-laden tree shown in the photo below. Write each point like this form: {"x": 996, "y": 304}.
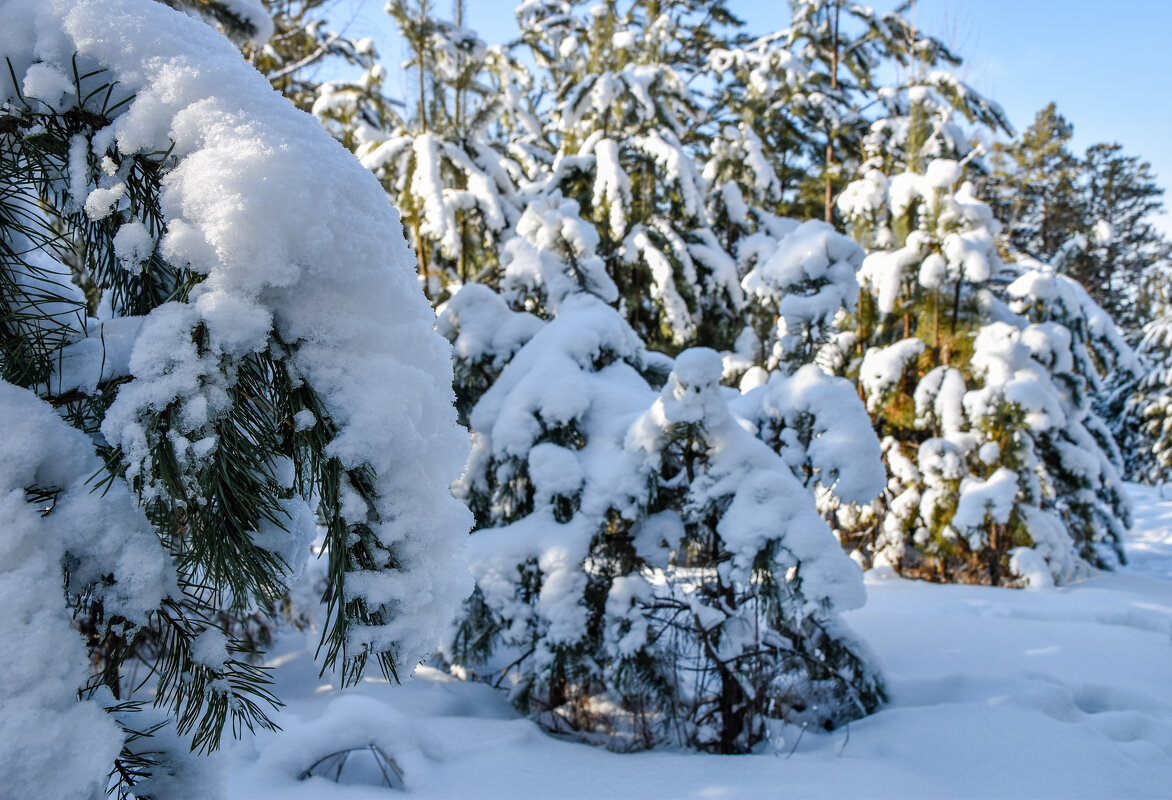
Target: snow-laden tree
{"x": 798, "y": 278}
{"x": 590, "y": 529}
{"x": 542, "y": 478}
{"x": 1034, "y": 187}
{"x": 1012, "y": 486}
{"x": 999, "y": 471}
{"x": 1144, "y": 428}
{"x": 847, "y": 49}
{"x": 454, "y": 184}
{"x": 740, "y": 602}
{"x": 624, "y": 129}
{"x": 1089, "y": 217}
{"x": 254, "y": 359}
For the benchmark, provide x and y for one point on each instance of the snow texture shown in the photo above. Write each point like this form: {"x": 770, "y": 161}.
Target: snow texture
{"x": 42, "y": 657}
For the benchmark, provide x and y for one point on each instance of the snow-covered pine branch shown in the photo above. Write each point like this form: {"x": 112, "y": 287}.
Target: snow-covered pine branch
{"x": 270, "y": 354}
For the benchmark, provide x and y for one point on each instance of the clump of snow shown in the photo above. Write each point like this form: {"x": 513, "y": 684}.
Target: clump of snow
{"x": 693, "y": 391}
{"x": 109, "y": 548}
{"x": 210, "y": 648}
{"x": 883, "y": 368}
{"x": 555, "y": 470}
{"x": 347, "y": 723}
{"x": 820, "y": 428}
{"x": 942, "y": 173}
{"x": 482, "y": 327}
{"x": 980, "y": 499}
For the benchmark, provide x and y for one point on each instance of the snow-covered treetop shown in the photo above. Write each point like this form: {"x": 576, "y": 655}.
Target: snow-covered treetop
{"x": 1044, "y": 295}
{"x": 553, "y": 255}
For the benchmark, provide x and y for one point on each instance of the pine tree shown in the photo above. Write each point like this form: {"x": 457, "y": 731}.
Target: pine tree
{"x": 1116, "y": 266}
{"x": 224, "y": 383}
{"x": 1089, "y": 217}
{"x": 798, "y": 279}
{"x": 744, "y": 616}
{"x": 1034, "y": 188}
{"x": 1144, "y": 428}
{"x": 624, "y": 128}
{"x": 579, "y": 512}
{"x": 982, "y": 405}
{"x": 547, "y": 543}
{"x": 844, "y": 47}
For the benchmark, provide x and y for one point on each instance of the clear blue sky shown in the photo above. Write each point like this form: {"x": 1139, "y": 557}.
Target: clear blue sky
{"x": 1107, "y": 64}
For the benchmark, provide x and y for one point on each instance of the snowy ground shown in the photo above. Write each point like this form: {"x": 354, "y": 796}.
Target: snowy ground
{"x": 994, "y": 693}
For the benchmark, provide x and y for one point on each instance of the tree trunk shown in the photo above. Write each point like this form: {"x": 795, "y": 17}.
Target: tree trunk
{"x": 421, "y": 253}
{"x": 829, "y": 130}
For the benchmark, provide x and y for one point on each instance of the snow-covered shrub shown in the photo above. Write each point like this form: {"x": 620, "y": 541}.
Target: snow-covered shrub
{"x": 598, "y": 549}
{"x": 541, "y": 480}
{"x": 741, "y": 597}
{"x": 260, "y": 351}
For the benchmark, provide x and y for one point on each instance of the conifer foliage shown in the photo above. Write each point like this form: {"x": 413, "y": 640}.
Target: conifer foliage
{"x": 1000, "y": 471}
{"x": 228, "y": 378}
{"x": 647, "y": 569}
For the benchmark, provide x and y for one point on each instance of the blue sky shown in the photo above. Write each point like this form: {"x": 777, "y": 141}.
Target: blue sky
{"x": 1108, "y": 65}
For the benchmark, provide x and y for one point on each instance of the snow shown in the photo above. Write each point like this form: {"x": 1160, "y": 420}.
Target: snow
{"x": 692, "y": 394}
{"x": 808, "y": 277}
{"x": 978, "y": 498}
{"x": 883, "y": 368}
{"x": 108, "y": 545}
{"x": 840, "y": 449}
{"x": 993, "y": 693}
{"x": 612, "y": 187}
